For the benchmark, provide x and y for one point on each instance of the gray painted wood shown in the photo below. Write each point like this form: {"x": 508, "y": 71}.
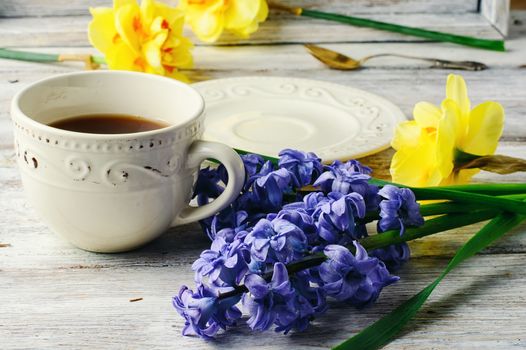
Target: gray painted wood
{"x": 71, "y": 30}
{"x": 42, "y": 8}
{"x": 55, "y": 296}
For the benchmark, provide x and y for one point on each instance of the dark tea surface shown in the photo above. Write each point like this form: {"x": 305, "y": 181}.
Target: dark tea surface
{"x": 108, "y": 124}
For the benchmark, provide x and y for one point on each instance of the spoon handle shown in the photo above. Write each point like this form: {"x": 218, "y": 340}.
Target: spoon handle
{"x": 437, "y": 63}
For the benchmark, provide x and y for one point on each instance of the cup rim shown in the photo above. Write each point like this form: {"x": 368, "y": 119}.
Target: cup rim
{"x": 15, "y": 106}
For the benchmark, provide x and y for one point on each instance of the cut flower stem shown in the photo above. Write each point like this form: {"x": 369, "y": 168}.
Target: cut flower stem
{"x": 431, "y": 226}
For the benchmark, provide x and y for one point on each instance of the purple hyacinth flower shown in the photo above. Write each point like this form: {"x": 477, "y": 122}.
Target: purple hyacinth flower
{"x": 309, "y": 203}
{"x": 336, "y": 217}
{"x": 349, "y": 177}
{"x": 266, "y": 300}
{"x": 268, "y": 189}
{"x": 393, "y": 255}
{"x": 358, "y": 278}
{"x": 229, "y": 221}
{"x": 204, "y": 314}
{"x": 207, "y": 185}
{"x": 225, "y": 264}
{"x": 300, "y": 218}
{"x": 276, "y": 240}
{"x": 252, "y": 163}
{"x": 398, "y": 209}
{"x": 307, "y": 303}
{"x": 341, "y": 176}
{"x": 303, "y": 166}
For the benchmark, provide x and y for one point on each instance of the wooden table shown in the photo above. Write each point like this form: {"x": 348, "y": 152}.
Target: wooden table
{"x": 54, "y": 296}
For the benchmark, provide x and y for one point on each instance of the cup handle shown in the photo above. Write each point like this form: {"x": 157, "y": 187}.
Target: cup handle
{"x": 200, "y": 151}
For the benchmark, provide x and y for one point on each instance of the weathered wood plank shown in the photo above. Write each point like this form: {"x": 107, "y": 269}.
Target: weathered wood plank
{"x": 71, "y": 30}
{"x": 53, "y": 295}
{"x": 29, "y": 8}
{"x": 33, "y": 243}
{"x": 88, "y": 307}
{"x": 404, "y": 82}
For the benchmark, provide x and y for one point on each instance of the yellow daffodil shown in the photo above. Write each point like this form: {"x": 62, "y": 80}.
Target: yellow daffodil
{"x": 427, "y": 147}
{"x": 146, "y": 38}
{"x": 208, "y": 18}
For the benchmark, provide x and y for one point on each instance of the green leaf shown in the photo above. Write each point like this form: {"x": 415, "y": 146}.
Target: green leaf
{"x": 441, "y": 193}
{"x": 383, "y": 330}
{"x": 497, "y": 45}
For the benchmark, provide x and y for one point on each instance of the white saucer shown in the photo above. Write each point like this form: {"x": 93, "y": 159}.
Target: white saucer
{"x": 266, "y": 114}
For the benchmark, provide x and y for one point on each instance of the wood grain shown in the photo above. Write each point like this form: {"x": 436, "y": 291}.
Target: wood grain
{"x": 42, "y": 8}
{"x": 55, "y": 296}
{"x": 71, "y": 30}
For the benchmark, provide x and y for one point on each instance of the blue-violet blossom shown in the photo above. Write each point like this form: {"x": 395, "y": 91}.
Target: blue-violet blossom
{"x": 357, "y": 279}
{"x": 276, "y": 240}
{"x": 204, "y": 314}
{"x": 225, "y": 264}
{"x": 398, "y": 209}
{"x": 304, "y": 167}
{"x": 267, "y": 300}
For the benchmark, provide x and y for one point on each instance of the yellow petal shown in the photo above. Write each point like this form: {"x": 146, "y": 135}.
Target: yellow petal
{"x": 174, "y": 16}
{"x": 245, "y": 31}
{"x": 457, "y": 119}
{"x": 209, "y": 26}
{"x": 152, "y": 52}
{"x": 241, "y": 13}
{"x": 128, "y": 24}
{"x": 121, "y": 57}
{"x": 407, "y": 134}
{"x": 120, "y": 3}
{"x": 147, "y": 10}
{"x": 457, "y": 91}
{"x": 486, "y": 122}
{"x": 446, "y": 137}
{"x": 263, "y": 11}
{"x": 101, "y": 29}
{"x": 416, "y": 166}
{"x": 427, "y": 115}
{"x": 178, "y": 55}
{"x": 178, "y": 75}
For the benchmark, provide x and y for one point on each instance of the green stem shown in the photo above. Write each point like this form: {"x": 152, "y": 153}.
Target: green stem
{"x": 448, "y": 208}
{"x": 439, "y": 224}
{"x": 425, "y": 193}
{"x": 98, "y": 59}
{"x": 28, "y": 56}
{"x": 487, "y": 189}
{"x": 383, "y": 330}
{"x": 432, "y": 226}
{"x": 496, "y": 45}
{"x": 39, "y": 57}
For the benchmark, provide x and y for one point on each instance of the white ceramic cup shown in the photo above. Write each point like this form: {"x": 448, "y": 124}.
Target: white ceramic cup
{"x": 115, "y": 192}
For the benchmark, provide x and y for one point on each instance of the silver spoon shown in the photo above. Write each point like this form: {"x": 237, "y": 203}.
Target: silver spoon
{"x": 336, "y": 60}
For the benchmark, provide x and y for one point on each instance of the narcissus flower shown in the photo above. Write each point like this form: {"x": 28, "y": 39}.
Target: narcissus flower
{"x": 146, "y": 38}
{"x": 428, "y": 147}
{"x": 208, "y": 18}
